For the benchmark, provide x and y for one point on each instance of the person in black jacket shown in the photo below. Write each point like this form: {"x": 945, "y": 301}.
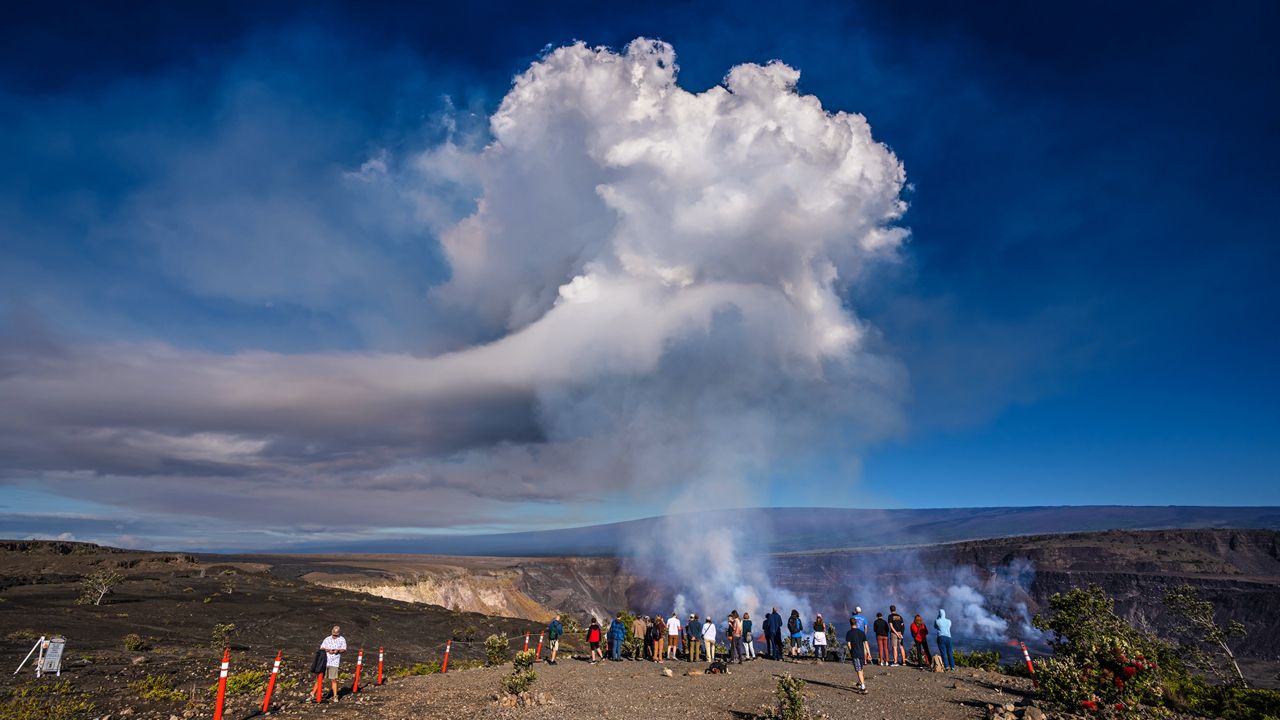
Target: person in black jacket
{"x": 767, "y": 627}
{"x": 881, "y": 627}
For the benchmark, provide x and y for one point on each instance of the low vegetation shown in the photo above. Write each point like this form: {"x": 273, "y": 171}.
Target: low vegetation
{"x": 496, "y": 650}
{"x": 45, "y": 700}
{"x": 1103, "y": 665}
{"x": 988, "y": 660}
{"x": 427, "y": 668}
{"x": 157, "y": 688}
{"x": 97, "y": 585}
{"x": 790, "y": 694}
{"x": 221, "y": 634}
{"x": 522, "y": 676}
{"x": 133, "y": 642}
{"x": 244, "y": 682}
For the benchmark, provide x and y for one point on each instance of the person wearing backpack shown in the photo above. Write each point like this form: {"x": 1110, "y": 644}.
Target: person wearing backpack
{"x": 795, "y": 626}
{"x": 749, "y": 643}
{"x": 693, "y": 637}
{"x": 554, "y": 631}
{"x": 897, "y": 630}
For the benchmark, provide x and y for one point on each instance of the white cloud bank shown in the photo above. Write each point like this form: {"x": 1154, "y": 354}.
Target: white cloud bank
{"x": 661, "y": 273}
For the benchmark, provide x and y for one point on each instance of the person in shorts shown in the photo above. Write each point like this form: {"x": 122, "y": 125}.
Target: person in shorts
{"x": 554, "y": 632}
{"x": 897, "y": 628}
{"x": 334, "y": 645}
{"x": 855, "y": 639}
{"x": 593, "y": 640}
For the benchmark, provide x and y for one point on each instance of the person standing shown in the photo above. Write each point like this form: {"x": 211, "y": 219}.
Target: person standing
{"x": 777, "y": 634}
{"x": 554, "y": 631}
{"x": 617, "y": 634}
{"x": 735, "y": 637}
{"x": 693, "y": 637}
{"x": 768, "y": 635}
{"x": 749, "y": 642}
{"x": 673, "y": 636}
{"x": 865, "y": 628}
{"x": 881, "y": 627}
{"x": 709, "y": 639}
{"x": 795, "y": 626}
{"x": 819, "y": 638}
{"x": 854, "y": 640}
{"x": 334, "y": 645}
{"x": 920, "y": 634}
{"x": 660, "y": 645}
{"x": 897, "y": 629}
{"x": 638, "y": 631}
{"x": 651, "y": 639}
{"x": 593, "y": 639}
{"x": 943, "y": 626}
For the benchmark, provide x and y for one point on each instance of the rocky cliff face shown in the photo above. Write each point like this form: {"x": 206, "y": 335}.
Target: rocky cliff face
{"x": 1011, "y": 579}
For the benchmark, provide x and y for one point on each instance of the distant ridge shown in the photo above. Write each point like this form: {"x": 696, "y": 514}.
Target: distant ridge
{"x": 808, "y": 529}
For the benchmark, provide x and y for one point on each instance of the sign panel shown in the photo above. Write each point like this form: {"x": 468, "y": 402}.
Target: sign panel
{"x": 52, "y": 660}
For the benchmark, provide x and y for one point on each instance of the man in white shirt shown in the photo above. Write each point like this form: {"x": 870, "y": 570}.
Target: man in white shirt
{"x": 335, "y": 645}
{"x": 673, "y": 636}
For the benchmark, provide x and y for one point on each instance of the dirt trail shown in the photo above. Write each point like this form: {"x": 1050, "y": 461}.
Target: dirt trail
{"x": 638, "y": 689}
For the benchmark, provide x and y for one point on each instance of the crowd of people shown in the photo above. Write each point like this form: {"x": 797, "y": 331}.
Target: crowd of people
{"x": 699, "y": 639}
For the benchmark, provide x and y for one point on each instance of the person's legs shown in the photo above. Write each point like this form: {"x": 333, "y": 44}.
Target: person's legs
{"x": 555, "y": 648}
{"x": 882, "y": 649}
{"x": 899, "y": 651}
{"x": 944, "y": 647}
{"x": 750, "y": 647}
{"x": 709, "y": 649}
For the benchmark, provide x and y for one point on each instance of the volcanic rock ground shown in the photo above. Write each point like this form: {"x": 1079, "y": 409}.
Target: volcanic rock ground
{"x": 631, "y": 689}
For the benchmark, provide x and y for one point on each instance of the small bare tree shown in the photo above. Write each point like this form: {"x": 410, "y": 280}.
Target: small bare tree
{"x": 1199, "y": 628}
{"x": 97, "y": 585}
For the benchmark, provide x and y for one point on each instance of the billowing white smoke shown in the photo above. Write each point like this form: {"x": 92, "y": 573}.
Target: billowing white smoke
{"x": 701, "y": 242}
{"x": 654, "y": 283}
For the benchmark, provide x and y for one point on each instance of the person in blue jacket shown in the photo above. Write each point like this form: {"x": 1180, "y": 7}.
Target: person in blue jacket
{"x": 617, "y": 634}
{"x": 777, "y": 634}
{"x": 943, "y": 626}
{"x": 554, "y": 631}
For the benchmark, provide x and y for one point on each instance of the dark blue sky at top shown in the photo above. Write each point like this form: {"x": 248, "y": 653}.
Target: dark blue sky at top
{"x": 1087, "y": 306}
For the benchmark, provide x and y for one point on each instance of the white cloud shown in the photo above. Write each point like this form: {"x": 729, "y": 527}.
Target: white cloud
{"x": 663, "y": 274}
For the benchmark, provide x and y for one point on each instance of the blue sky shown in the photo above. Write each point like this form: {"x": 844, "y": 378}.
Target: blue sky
{"x": 1084, "y": 311}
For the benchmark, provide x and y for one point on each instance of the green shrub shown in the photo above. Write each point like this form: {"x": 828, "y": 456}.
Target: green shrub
{"x": 133, "y": 642}
{"x": 244, "y": 682}
{"x": 523, "y": 676}
{"x": 41, "y": 708}
{"x": 572, "y": 626}
{"x": 23, "y": 635}
{"x": 427, "y": 668}
{"x": 988, "y": 660}
{"x": 221, "y": 634}
{"x": 790, "y": 694}
{"x": 524, "y": 660}
{"x": 496, "y": 650}
{"x": 1193, "y": 695}
{"x": 157, "y": 688}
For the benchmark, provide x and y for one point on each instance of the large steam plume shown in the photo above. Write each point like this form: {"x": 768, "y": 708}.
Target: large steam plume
{"x": 657, "y": 280}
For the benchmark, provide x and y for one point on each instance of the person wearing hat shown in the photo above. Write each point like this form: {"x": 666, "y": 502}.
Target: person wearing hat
{"x": 861, "y": 620}
{"x": 693, "y": 637}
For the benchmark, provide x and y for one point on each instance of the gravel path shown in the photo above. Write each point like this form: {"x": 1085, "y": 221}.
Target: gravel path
{"x": 639, "y": 689}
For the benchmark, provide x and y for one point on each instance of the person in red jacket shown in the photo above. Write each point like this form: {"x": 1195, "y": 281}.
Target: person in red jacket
{"x": 593, "y": 639}
{"x": 920, "y": 633}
